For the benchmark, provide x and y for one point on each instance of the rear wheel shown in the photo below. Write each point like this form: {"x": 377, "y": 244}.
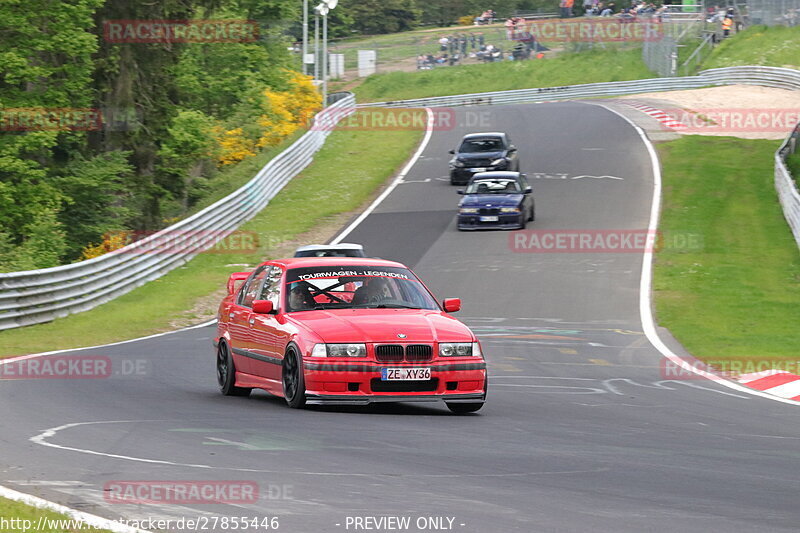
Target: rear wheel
{"x": 464, "y": 408}
{"x": 294, "y": 383}
{"x": 226, "y": 373}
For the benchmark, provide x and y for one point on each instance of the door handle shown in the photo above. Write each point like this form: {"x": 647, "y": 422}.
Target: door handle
{"x": 230, "y": 315}
{"x": 252, "y": 321}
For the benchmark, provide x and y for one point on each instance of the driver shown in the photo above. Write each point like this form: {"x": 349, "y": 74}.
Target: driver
{"x": 300, "y": 298}
{"x": 376, "y": 290}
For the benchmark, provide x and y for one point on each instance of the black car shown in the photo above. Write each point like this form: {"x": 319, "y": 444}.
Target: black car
{"x": 496, "y": 200}
{"x": 481, "y": 152}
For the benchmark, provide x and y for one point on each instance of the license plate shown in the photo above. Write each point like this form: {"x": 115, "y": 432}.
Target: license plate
{"x": 491, "y": 218}
{"x": 481, "y": 169}
{"x": 405, "y": 374}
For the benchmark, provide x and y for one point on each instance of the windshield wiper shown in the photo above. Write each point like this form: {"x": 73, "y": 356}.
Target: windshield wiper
{"x": 399, "y": 306}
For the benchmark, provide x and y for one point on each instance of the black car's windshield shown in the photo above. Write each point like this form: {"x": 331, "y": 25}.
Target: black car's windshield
{"x": 488, "y": 144}
{"x": 354, "y": 287}
{"x": 494, "y": 186}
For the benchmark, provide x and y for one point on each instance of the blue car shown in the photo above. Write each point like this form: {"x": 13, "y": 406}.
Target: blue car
{"x": 496, "y": 200}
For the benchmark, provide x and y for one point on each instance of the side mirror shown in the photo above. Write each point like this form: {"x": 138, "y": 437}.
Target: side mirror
{"x": 262, "y": 307}
{"x": 528, "y": 190}
{"x": 451, "y": 305}
{"x": 236, "y": 276}
{"x": 512, "y": 148}
{"x": 459, "y": 191}
{"x": 451, "y": 152}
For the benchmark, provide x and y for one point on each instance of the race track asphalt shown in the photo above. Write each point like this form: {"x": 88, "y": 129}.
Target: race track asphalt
{"x": 581, "y": 431}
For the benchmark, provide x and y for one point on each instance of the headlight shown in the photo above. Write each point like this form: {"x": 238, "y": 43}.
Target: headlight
{"x": 339, "y": 350}
{"x": 509, "y": 209}
{"x": 457, "y": 163}
{"x": 468, "y": 210}
{"x": 456, "y": 349}
{"x": 499, "y": 162}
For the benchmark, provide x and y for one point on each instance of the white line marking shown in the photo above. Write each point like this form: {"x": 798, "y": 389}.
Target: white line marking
{"x": 8, "y": 360}
{"x": 645, "y": 303}
{"x": 89, "y": 519}
{"x": 395, "y": 183}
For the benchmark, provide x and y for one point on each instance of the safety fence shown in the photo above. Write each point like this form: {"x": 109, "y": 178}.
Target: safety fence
{"x": 36, "y": 296}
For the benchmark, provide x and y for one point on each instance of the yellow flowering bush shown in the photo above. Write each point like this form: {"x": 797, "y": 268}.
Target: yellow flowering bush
{"x": 233, "y": 145}
{"x": 111, "y": 241}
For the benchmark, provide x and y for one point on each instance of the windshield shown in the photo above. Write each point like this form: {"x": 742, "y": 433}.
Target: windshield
{"x": 496, "y": 186}
{"x": 354, "y": 287}
{"x": 489, "y": 144}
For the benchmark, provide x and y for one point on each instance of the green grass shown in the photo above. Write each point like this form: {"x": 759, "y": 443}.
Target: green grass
{"x": 344, "y": 174}
{"x": 759, "y": 45}
{"x": 14, "y": 510}
{"x": 735, "y": 298}
{"x": 565, "y": 69}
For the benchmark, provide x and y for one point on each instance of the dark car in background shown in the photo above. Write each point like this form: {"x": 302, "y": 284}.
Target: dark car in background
{"x": 481, "y": 152}
{"x": 496, "y": 200}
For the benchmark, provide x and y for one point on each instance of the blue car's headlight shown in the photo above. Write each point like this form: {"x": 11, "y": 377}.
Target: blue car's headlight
{"x": 499, "y": 162}
{"x": 509, "y": 209}
{"x": 468, "y": 210}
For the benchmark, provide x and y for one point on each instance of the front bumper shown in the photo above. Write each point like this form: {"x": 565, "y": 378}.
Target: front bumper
{"x": 360, "y": 383}
{"x": 509, "y": 221}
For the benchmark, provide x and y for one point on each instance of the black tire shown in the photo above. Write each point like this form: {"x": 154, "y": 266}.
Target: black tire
{"x": 294, "y": 383}
{"x": 533, "y": 212}
{"x": 226, "y": 373}
{"x": 464, "y": 408}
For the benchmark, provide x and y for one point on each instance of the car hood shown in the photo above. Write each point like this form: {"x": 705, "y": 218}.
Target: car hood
{"x": 383, "y": 325}
{"x": 492, "y": 200}
{"x": 480, "y": 155}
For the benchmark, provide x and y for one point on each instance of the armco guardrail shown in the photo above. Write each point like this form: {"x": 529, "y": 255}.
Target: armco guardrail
{"x": 36, "y": 296}
{"x": 787, "y": 190}
{"x": 782, "y": 78}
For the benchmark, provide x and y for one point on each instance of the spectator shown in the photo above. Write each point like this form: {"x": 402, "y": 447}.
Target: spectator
{"x": 727, "y": 24}
{"x": 481, "y": 40}
{"x": 443, "y": 44}
{"x": 463, "y": 42}
{"x": 566, "y": 8}
{"x": 472, "y": 40}
{"x": 510, "y": 25}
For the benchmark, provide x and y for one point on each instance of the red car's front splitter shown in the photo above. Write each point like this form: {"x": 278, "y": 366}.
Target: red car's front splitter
{"x": 360, "y": 384}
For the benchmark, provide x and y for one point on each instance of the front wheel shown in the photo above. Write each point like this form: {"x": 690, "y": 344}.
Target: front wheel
{"x": 226, "y": 373}
{"x": 294, "y": 383}
{"x": 464, "y": 408}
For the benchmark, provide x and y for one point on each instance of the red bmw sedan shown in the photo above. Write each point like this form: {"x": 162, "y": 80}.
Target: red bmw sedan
{"x": 346, "y": 331}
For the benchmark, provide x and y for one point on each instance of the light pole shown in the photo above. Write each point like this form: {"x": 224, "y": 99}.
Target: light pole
{"x": 316, "y": 43}
{"x": 323, "y": 9}
{"x": 305, "y": 36}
